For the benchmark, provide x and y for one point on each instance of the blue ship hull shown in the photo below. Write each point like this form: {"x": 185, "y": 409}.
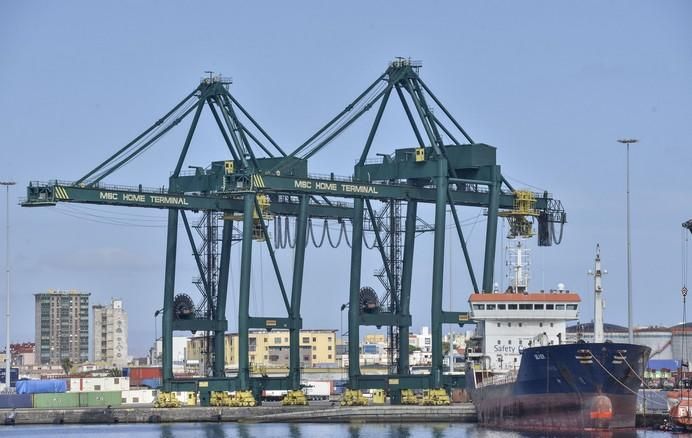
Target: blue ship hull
{"x": 564, "y": 387}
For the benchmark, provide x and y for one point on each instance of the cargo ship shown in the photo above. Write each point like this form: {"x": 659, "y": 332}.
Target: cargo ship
{"x": 523, "y": 375}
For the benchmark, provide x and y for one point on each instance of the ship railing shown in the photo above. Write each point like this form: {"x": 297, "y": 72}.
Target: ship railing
{"x": 499, "y": 379}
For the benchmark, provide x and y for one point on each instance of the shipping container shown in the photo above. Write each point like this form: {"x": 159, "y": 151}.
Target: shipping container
{"x": 41, "y": 386}
{"x": 273, "y": 394}
{"x": 137, "y": 396}
{"x": 318, "y": 390}
{"x": 90, "y": 384}
{"x": 56, "y": 400}
{"x": 151, "y": 383}
{"x": 10, "y": 401}
{"x": 138, "y": 374}
{"x": 100, "y": 398}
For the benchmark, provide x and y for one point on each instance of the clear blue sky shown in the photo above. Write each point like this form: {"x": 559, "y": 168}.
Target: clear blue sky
{"x": 551, "y": 84}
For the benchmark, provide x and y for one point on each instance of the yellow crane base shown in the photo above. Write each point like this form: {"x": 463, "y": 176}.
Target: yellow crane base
{"x": 295, "y": 398}
{"x": 353, "y": 397}
{"x": 166, "y": 400}
{"x": 408, "y": 397}
{"x": 220, "y": 398}
{"x": 435, "y": 397}
{"x": 242, "y": 399}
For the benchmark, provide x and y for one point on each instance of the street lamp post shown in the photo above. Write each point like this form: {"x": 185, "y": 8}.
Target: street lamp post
{"x": 8, "y": 353}
{"x": 341, "y": 329}
{"x": 156, "y": 339}
{"x": 627, "y": 142}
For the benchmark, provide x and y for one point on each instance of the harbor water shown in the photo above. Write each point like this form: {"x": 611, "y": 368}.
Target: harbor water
{"x": 295, "y": 430}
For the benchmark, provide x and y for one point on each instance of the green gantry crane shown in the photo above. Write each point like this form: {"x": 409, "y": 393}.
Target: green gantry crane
{"x": 259, "y": 181}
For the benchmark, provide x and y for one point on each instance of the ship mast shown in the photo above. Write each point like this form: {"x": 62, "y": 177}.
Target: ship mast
{"x": 518, "y": 262}
{"x": 598, "y": 297}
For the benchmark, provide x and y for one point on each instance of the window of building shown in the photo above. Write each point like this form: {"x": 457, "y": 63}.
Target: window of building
{"x": 306, "y": 340}
{"x": 512, "y": 306}
{"x": 559, "y": 307}
{"x": 314, "y": 356}
{"x": 498, "y": 342}
{"x": 509, "y": 342}
{"x": 509, "y": 324}
{"x": 520, "y": 342}
{"x": 314, "y": 347}
{"x": 329, "y": 356}
{"x": 285, "y": 339}
{"x": 538, "y": 306}
{"x": 515, "y": 359}
{"x": 277, "y": 340}
{"x": 521, "y": 324}
{"x": 329, "y": 339}
{"x": 525, "y": 306}
{"x": 549, "y": 306}
{"x": 498, "y": 324}
{"x": 479, "y": 307}
{"x": 329, "y": 348}
{"x": 490, "y": 307}
{"x": 314, "y": 339}
{"x": 551, "y": 324}
{"x": 540, "y": 324}
{"x": 306, "y": 358}
{"x": 501, "y": 306}
{"x": 571, "y": 307}
{"x": 265, "y": 340}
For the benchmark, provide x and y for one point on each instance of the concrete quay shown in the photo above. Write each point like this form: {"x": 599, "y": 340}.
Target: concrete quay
{"x": 457, "y": 413}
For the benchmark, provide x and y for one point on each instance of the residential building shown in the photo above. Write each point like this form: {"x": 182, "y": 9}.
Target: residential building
{"x": 110, "y": 334}
{"x": 62, "y": 327}
{"x": 270, "y": 349}
{"x": 23, "y": 354}
{"x": 423, "y": 341}
{"x": 179, "y": 353}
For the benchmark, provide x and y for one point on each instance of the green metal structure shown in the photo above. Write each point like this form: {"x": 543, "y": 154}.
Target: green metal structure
{"x": 260, "y": 180}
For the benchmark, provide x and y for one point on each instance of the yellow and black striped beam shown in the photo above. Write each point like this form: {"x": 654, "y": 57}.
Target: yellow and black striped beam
{"x": 257, "y": 181}
{"x": 60, "y": 193}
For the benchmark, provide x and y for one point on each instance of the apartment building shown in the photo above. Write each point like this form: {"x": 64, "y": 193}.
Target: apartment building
{"x": 62, "y": 327}
{"x": 110, "y": 334}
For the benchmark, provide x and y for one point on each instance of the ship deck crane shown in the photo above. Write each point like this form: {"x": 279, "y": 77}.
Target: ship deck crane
{"x": 259, "y": 179}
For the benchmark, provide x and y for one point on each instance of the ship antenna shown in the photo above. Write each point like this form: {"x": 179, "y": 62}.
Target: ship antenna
{"x": 598, "y": 297}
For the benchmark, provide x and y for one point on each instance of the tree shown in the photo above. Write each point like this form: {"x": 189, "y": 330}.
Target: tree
{"x": 114, "y": 372}
{"x": 445, "y": 347}
{"x": 412, "y": 348}
{"x": 66, "y": 365}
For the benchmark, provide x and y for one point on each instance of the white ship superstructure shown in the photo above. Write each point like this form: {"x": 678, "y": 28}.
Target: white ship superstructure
{"x": 515, "y": 319}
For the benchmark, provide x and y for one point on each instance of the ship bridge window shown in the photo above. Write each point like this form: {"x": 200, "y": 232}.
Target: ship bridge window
{"x": 549, "y": 306}
{"x": 490, "y": 307}
{"x": 559, "y": 307}
{"x": 479, "y": 307}
{"x": 525, "y": 306}
{"x": 501, "y": 306}
{"x": 571, "y": 307}
{"x": 512, "y": 306}
{"x": 538, "y": 306}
